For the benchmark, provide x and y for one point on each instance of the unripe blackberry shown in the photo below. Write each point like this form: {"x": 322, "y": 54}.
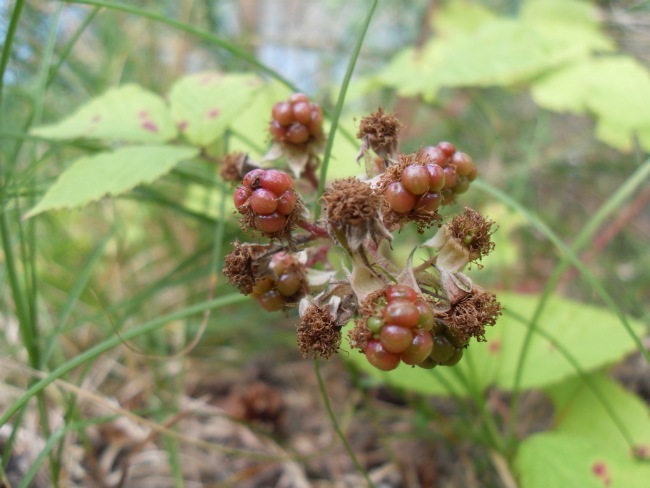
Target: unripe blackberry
{"x": 396, "y": 321}
{"x": 284, "y": 283}
{"x": 268, "y": 202}
{"x": 296, "y": 121}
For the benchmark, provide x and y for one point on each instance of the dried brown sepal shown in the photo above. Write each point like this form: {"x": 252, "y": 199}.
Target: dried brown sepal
{"x": 235, "y": 165}
{"x": 469, "y": 317}
{"x": 474, "y": 232}
{"x": 380, "y": 132}
{"x": 238, "y": 268}
{"x": 351, "y": 209}
{"x": 318, "y": 334}
{"x": 423, "y": 219}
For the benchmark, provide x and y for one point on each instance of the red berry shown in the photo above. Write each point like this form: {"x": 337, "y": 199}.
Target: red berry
{"x": 298, "y": 97}
{"x": 251, "y": 179}
{"x": 315, "y": 125}
{"x": 394, "y": 338}
{"x": 451, "y": 178}
{"x": 271, "y": 301}
{"x": 270, "y": 224}
{"x": 447, "y": 148}
{"x": 297, "y": 133}
{"x": 241, "y": 196}
{"x": 426, "y": 320}
{"x": 463, "y": 163}
{"x": 262, "y": 285}
{"x": 302, "y": 112}
{"x": 278, "y": 132}
{"x": 436, "y": 155}
{"x": 415, "y": 179}
{"x": 287, "y": 202}
{"x": 402, "y": 312}
{"x": 473, "y": 174}
{"x": 429, "y": 202}
{"x": 380, "y": 358}
{"x": 442, "y": 350}
{"x": 398, "y": 291}
{"x": 288, "y": 284}
{"x": 400, "y": 200}
{"x": 283, "y": 113}
{"x": 276, "y": 181}
{"x": 263, "y": 202}
{"x": 436, "y": 177}
{"x": 419, "y": 349}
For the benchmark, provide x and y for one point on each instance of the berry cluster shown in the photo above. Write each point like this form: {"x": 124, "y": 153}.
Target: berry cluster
{"x": 296, "y": 121}
{"x": 267, "y": 197}
{"x": 285, "y": 284}
{"x": 459, "y": 169}
{"x": 400, "y": 322}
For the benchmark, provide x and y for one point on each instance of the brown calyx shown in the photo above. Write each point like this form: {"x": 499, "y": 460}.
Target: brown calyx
{"x": 474, "y": 232}
{"x": 349, "y": 202}
{"x": 238, "y": 266}
{"x": 234, "y": 166}
{"x": 318, "y": 335}
{"x": 380, "y": 131}
{"x": 469, "y": 317}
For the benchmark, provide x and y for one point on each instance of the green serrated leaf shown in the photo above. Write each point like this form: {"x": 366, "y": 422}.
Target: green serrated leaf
{"x": 92, "y": 177}
{"x": 610, "y": 88}
{"x": 580, "y": 413}
{"x": 205, "y": 104}
{"x": 127, "y": 113}
{"x": 556, "y": 459}
{"x": 593, "y": 335}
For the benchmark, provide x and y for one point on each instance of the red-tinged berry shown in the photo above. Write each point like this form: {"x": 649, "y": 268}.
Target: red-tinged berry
{"x": 428, "y": 363}
{"x": 419, "y": 349}
{"x": 415, "y": 179}
{"x": 241, "y": 196}
{"x": 436, "y": 156}
{"x": 264, "y": 284}
{"x": 395, "y": 339}
{"x": 288, "y": 284}
{"x": 429, "y": 202}
{"x": 271, "y": 301}
{"x": 380, "y": 358}
{"x": 436, "y": 177}
{"x": 451, "y": 178}
{"x": 270, "y": 224}
{"x": 298, "y": 97}
{"x": 297, "y": 134}
{"x": 278, "y": 132}
{"x": 462, "y": 186}
{"x": 463, "y": 163}
{"x": 442, "y": 350}
{"x": 287, "y": 202}
{"x": 426, "y": 320}
{"x": 374, "y": 324}
{"x": 399, "y": 199}
{"x": 263, "y": 202}
{"x": 283, "y": 113}
{"x": 252, "y": 178}
{"x": 276, "y": 181}
{"x": 447, "y": 148}
{"x": 473, "y": 174}
{"x": 401, "y": 312}
{"x": 396, "y": 292}
{"x": 453, "y": 360}
{"x": 302, "y": 112}
{"x": 315, "y": 125}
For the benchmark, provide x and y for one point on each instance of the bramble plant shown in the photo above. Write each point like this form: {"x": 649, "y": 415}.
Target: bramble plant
{"x": 422, "y": 315}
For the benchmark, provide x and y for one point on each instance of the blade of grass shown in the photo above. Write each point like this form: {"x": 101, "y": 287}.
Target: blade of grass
{"x": 339, "y": 107}
{"x": 115, "y": 341}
